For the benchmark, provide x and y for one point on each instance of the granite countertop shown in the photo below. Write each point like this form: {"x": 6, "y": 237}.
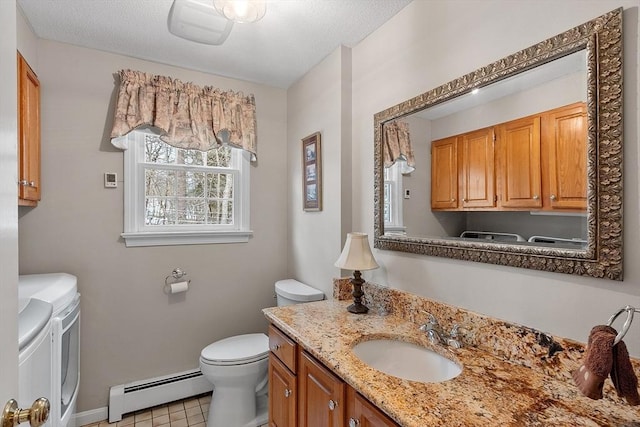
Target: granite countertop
{"x": 490, "y": 391}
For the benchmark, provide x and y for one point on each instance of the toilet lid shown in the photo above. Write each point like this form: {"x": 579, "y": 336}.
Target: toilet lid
{"x": 236, "y": 350}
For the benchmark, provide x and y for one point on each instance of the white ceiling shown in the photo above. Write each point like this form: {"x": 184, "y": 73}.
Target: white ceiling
{"x": 294, "y": 36}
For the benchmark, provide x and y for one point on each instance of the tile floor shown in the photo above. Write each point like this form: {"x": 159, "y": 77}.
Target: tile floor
{"x": 190, "y": 412}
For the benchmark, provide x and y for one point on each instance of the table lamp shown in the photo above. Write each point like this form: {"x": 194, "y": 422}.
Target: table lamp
{"x": 356, "y": 255}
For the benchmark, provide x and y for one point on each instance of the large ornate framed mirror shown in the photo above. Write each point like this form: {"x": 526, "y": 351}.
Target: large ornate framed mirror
{"x": 539, "y": 201}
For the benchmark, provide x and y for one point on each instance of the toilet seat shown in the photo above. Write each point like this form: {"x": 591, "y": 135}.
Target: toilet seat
{"x": 237, "y": 350}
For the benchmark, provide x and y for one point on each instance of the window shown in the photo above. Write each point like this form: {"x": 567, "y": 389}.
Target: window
{"x": 393, "y": 222}
{"x": 175, "y": 196}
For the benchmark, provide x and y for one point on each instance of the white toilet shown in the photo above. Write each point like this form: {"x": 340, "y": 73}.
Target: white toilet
{"x": 238, "y": 367}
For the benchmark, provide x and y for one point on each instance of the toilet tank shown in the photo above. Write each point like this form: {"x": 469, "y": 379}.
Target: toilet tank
{"x": 290, "y": 291}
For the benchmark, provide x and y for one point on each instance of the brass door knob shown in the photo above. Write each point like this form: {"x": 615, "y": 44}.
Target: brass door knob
{"x": 37, "y": 415}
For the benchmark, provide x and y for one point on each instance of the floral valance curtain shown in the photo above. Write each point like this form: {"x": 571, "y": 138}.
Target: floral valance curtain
{"x": 397, "y": 145}
{"x": 188, "y": 116}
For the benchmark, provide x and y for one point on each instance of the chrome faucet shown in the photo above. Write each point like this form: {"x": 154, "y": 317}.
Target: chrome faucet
{"x": 437, "y": 335}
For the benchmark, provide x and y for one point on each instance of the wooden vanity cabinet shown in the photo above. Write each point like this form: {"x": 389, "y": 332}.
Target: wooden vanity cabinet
{"x": 28, "y": 135}
{"x": 565, "y": 137}
{"x": 305, "y": 393}
{"x": 283, "y": 390}
{"x": 361, "y": 413}
{"x": 321, "y": 395}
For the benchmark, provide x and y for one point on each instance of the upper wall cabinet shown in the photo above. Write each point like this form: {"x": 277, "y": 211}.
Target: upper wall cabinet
{"x": 533, "y": 163}
{"x": 444, "y": 174}
{"x": 520, "y": 177}
{"x": 28, "y": 135}
{"x": 565, "y": 133}
{"x": 477, "y": 169}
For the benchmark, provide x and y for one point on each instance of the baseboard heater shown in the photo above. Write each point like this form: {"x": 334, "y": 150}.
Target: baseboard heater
{"x": 144, "y": 394}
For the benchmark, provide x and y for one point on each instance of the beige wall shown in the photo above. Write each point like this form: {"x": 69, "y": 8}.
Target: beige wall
{"x": 8, "y": 207}
{"x": 320, "y": 102}
{"x": 429, "y": 43}
{"x": 131, "y": 330}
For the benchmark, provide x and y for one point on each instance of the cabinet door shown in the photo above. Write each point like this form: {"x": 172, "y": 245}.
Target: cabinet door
{"x": 478, "y": 171}
{"x": 361, "y": 413}
{"x": 519, "y": 164}
{"x": 444, "y": 174}
{"x": 321, "y": 395}
{"x": 28, "y": 134}
{"x": 566, "y": 134}
{"x": 282, "y": 395}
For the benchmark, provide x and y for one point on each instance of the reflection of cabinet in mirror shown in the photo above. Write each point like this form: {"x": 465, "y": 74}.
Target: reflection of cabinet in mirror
{"x": 532, "y": 163}
{"x": 444, "y": 174}
{"x": 477, "y": 181}
{"x": 519, "y": 181}
{"x": 565, "y": 133}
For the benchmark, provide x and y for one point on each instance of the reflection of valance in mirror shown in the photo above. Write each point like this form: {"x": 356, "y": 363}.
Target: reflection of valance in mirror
{"x": 397, "y": 145}
{"x": 188, "y": 116}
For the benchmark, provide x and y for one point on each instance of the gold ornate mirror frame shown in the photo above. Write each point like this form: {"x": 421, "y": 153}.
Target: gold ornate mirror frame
{"x": 602, "y": 258}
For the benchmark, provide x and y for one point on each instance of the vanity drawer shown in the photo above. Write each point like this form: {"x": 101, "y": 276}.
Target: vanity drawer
{"x": 283, "y": 347}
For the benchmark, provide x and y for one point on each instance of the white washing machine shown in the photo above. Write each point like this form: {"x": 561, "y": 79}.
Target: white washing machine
{"x": 35, "y": 352}
{"x": 61, "y": 291}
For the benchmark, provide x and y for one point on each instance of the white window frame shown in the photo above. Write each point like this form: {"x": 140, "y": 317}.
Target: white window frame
{"x": 393, "y": 181}
{"x": 137, "y": 233}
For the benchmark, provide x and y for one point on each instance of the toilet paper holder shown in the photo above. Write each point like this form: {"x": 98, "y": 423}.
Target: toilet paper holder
{"x": 174, "y": 279}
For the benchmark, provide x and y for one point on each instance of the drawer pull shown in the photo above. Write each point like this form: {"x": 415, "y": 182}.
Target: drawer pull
{"x": 287, "y": 392}
{"x": 275, "y": 347}
{"x": 332, "y": 405}
{"x": 354, "y": 422}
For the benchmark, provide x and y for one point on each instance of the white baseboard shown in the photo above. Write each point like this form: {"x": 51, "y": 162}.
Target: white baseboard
{"x": 89, "y": 417}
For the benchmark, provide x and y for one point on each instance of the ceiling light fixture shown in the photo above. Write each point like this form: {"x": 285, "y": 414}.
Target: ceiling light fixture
{"x": 241, "y": 11}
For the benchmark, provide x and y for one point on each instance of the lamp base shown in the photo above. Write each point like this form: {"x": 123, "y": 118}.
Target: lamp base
{"x": 357, "y": 307}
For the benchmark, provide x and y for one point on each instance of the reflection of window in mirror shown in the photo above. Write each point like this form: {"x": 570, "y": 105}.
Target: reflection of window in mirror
{"x": 393, "y": 198}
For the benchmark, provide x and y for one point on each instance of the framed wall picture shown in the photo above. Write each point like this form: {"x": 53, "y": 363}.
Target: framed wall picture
{"x": 311, "y": 173}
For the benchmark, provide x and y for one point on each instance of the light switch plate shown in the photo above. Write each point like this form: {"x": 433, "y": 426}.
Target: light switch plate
{"x": 110, "y": 180}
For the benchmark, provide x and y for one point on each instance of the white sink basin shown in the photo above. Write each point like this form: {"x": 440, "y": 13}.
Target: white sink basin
{"x": 405, "y": 360}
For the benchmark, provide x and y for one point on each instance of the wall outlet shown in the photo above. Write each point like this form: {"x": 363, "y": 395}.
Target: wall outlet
{"x": 407, "y": 193}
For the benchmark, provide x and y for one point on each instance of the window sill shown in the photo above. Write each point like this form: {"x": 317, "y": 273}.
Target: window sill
{"x": 395, "y": 229}
{"x": 170, "y": 238}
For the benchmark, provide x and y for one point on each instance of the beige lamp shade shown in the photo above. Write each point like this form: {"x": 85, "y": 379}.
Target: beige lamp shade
{"x": 356, "y": 254}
